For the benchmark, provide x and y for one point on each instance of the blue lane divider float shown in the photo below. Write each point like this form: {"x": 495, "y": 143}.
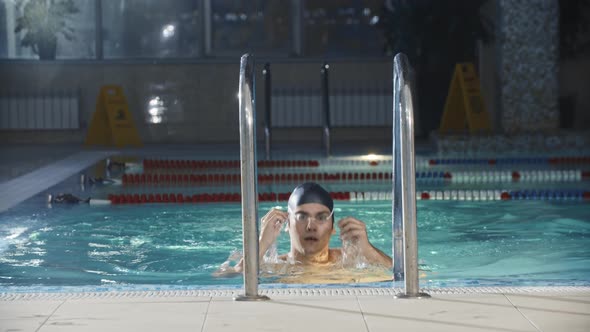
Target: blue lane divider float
{"x": 510, "y": 161}
{"x": 505, "y": 195}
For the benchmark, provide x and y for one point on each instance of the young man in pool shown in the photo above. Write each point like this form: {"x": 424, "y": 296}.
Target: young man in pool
{"x": 310, "y": 223}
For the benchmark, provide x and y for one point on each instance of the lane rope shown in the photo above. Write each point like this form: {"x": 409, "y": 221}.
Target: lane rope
{"x": 445, "y": 195}
{"x": 421, "y": 162}
{"x": 569, "y": 160}
{"x": 422, "y": 177}
{"x": 183, "y": 164}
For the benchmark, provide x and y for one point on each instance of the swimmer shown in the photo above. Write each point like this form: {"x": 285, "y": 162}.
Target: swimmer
{"x": 310, "y": 223}
{"x": 71, "y": 199}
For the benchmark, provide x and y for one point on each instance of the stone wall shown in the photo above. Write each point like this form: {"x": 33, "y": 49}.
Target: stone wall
{"x": 528, "y": 39}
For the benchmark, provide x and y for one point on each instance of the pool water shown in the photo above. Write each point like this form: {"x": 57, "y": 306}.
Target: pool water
{"x": 460, "y": 242}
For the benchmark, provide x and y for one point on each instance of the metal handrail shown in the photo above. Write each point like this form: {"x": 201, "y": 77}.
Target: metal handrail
{"x": 268, "y": 109}
{"x": 248, "y": 176}
{"x": 405, "y": 241}
{"x": 326, "y": 109}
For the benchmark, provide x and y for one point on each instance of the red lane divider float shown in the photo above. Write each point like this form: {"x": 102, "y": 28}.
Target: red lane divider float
{"x": 455, "y": 177}
{"x": 204, "y": 198}
{"x": 202, "y": 179}
{"x": 166, "y": 164}
{"x": 481, "y": 195}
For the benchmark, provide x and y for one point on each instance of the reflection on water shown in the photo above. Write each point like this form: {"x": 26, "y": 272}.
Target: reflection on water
{"x": 322, "y": 274}
{"x": 352, "y": 268}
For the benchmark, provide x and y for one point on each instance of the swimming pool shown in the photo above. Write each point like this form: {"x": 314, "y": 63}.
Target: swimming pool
{"x": 461, "y": 242}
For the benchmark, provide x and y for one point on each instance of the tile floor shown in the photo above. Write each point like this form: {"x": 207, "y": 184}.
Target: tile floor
{"x": 444, "y": 312}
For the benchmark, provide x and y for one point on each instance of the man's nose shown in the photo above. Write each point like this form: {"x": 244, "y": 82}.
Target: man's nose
{"x": 310, "y": 224}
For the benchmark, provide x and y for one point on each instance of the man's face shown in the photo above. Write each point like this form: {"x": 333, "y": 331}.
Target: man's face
{"x": 310, "y": 227}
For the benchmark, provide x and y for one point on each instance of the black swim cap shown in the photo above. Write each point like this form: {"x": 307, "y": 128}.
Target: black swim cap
{"x": 310, "y": 192}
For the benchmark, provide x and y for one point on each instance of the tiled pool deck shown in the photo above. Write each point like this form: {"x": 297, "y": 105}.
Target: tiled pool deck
{"x": 354, "y": 309}
{"x": 349, "y": 311}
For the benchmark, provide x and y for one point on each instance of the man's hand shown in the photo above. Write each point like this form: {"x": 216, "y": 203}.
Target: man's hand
{"x": 270, "y": 229}
{"x": 355, "y": 231}
{"x": 272, "y": 223}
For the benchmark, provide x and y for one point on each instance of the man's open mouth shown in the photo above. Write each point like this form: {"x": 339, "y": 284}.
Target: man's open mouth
{"x": 310, "y": 238}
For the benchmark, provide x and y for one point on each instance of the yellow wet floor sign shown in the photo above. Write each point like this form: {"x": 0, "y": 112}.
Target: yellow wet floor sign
{"x": 112, "y": 123}
{"x": 464, "y": 106}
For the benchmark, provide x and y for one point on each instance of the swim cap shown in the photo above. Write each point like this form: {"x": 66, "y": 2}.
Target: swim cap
{"x": 310, "y": 192}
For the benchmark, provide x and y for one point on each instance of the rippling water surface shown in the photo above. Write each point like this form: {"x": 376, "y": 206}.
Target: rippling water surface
{"x": 493, "y": 242}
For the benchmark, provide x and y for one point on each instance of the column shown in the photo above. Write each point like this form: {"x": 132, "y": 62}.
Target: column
{"x": 528, "y": 40}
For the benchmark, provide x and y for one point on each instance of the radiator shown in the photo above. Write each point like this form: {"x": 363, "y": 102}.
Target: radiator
{"x": 46, "y": 110}
{"x": 348, "y": 108}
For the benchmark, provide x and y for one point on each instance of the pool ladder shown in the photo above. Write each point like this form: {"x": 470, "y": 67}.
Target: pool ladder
{"x": 249, "y": 176}
{"x": 405, "y": 237}
{"x": 405, "y": 245}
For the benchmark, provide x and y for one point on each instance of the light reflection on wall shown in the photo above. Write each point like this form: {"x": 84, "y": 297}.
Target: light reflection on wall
{"x": 165, "y": 103}
{"x": 156, "y": 110}
{"x": 168, "y": 31}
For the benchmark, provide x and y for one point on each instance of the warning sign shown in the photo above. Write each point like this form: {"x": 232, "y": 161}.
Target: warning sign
{"x": 464, "y": 107}
{"x": 112, "y": 124}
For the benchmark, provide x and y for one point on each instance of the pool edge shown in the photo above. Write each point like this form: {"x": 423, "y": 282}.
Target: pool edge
{"x": 365, "y": 291}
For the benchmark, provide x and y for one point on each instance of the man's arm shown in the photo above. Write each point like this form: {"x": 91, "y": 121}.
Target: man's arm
{"x": 355, "y": 231}
{"x": 379, "y": 257}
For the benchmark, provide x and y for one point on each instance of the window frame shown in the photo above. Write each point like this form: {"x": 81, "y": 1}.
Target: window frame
{"x": 205, "y": 52}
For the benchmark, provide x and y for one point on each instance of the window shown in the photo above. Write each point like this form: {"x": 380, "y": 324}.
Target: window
{"x": 3, "y": 30}
{"x": 191, "y": 29}
{"x": 342, "y": 27}
{"x": 77, "y": 41}
{"x": 151, "y": 28}
{"x": 263, "y": 27}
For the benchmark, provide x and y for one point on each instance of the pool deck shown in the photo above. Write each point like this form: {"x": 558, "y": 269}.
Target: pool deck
{"x": 350, "y": 309}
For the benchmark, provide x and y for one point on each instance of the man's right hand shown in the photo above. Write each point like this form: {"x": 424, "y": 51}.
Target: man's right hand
{"x": 272, "y": 223}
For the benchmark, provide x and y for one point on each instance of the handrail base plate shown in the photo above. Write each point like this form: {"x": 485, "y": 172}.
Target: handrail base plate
{"x": 251, "y": 298}
{"x": 410, "y": 296}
